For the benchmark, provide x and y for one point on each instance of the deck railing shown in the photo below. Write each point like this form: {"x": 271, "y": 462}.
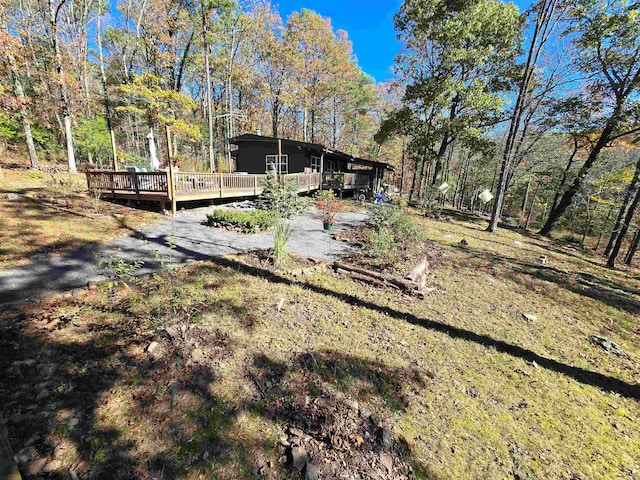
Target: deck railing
{"x": 187, "y": 184}
{"x": 346, "y": 181}
{"x": 135, "y": 182}
{"x": 304, "y": 181}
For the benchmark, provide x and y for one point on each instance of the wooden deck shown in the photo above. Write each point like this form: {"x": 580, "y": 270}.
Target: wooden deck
{"x": 184, "y": 187}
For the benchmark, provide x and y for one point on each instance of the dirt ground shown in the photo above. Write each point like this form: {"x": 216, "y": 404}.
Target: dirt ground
{"x": 233, "y": 369}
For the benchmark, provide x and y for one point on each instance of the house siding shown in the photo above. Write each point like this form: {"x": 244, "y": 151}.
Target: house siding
{"x": 251, "y": 156}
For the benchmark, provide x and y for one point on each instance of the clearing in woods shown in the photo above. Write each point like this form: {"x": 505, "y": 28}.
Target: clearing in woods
{"x": 231, "y": 369}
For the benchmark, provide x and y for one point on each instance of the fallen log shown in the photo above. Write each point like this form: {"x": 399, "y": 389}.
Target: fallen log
{"x": 383, "y": 277}
{"x": 366, "y": 278}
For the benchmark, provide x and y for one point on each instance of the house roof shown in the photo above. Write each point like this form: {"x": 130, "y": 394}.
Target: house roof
{"x": 249, "y": 137}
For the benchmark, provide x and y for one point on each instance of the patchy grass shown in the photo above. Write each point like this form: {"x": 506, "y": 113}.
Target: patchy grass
{"x": 53, "y": 215}
{"x": 469, "y": 388}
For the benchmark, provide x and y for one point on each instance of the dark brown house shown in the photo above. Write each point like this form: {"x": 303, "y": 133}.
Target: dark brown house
{"x": 258, "y": 154}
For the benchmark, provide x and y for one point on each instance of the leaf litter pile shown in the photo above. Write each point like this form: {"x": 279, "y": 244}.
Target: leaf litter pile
{"x": 332, "y": 436}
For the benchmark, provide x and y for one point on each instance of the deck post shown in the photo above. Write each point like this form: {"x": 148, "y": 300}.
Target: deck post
{"x": 170, "y": 183}
{"x": 170, "y": 193}
{"x": 136, "y": 186}
{"x": 221, "y": 184}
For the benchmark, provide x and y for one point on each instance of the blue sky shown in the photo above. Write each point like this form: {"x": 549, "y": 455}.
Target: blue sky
{"x": 369, "y": 24}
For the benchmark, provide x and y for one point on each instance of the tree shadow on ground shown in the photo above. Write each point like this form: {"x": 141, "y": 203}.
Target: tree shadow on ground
{"x": 33, "y": 228}
{"x": 546, "y": 243}
{"x": 582, "y": 375}
{"x": 596, "y": 379}
{"x": 601, "y": 289}
{"x": 106, "y": 409}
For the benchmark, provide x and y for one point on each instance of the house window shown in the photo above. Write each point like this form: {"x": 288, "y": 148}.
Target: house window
{"x": 331, "y": 166}
{"x": 315, "y": 164}
{"x": 272, "y": 163}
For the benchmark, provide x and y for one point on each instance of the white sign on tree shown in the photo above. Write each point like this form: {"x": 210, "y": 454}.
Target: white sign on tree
{"x": 485, "y": 196}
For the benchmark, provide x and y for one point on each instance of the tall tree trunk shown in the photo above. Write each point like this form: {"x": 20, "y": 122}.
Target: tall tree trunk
{"x": 179, "y": 76}
{"x": 532, "y": 206}
{"x": 568, "y": 195}
{"x": 625, "y": 227}
{"x": 24, "y": 111}
{"x": 632, "y": 192}
{"x": 565, "y": 174}
{"x": 19, "y": 91}
{"x": 623, "y": 209}
{"x": 588, "y": 225}
{"x": 541, "y": 31}
{"x": 446, "y": 139}
{"x": 525, "y": 200}
{"x": 604, "y": 225}
{"x": 107, "y": 106}
{"x": 304, "y": 124}
{"x": 439, "y": 160}
{"x": 463, "y": 187}
{"x": 207, "y": 79}
{"x": 334, "y": 123}
{"x": 632, "y": 249}
{"x": 413, "y": 181}
{"x": 402, "y": 162}
{"x": 275, "y": 114}
{"x": 66, "y": 113}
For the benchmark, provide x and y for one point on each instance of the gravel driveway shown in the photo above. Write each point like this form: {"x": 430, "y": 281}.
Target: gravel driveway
{"x": 192, "y": 240}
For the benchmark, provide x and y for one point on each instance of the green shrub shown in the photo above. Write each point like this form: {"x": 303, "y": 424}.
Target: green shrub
{"x": 117, "y": 270}
{"x": 281, "y": 197}
{"x": 399, "y": 202}
{"x": 429, "y": 203}
{"x": 131, "y": 159}
{"x": 381, "y": 242}
{"x": 404, "y": 228}
{"x": 381, "y": 216}
{"x": 250, "y": 221}
{"x": 392, "y": 231}
{"x": 10, "y": 128}
{"x": 324, "y": 195}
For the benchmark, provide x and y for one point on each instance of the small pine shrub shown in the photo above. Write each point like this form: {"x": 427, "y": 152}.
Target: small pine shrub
{"x": 250, "y": 221}
{"x": 281, "y": 197}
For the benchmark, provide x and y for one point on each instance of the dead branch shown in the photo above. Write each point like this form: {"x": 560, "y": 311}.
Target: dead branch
{"x": 422, "y": 269}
